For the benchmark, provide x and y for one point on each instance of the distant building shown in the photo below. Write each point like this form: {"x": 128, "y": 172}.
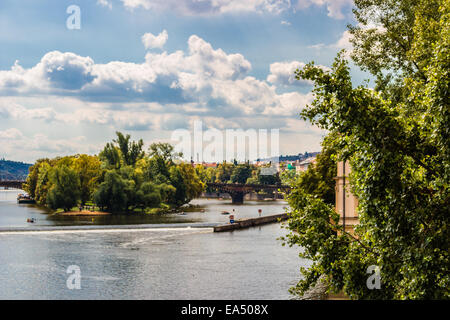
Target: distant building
{"x": 287, "y": 158}
{"x": 205, "y": 165}
{"x": 303, "y": 165}
{"x": 346, "y": 202}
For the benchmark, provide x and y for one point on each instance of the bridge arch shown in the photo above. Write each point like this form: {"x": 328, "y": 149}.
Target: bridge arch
{"x": 237, "y": 191}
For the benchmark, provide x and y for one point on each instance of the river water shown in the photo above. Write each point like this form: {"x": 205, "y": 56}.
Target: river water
{"x": 163, "y": 263}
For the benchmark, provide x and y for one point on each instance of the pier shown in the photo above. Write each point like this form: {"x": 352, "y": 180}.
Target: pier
{"x": 250, "y": 222}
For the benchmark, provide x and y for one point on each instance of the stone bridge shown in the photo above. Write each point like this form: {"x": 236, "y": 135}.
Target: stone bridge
{"x": 237, "y": 191}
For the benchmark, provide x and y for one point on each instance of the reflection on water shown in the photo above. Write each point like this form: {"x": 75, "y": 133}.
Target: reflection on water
{"x": 184, "y": 263}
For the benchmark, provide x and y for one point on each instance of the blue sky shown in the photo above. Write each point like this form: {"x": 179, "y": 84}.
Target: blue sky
{"x": 148, "y": 67}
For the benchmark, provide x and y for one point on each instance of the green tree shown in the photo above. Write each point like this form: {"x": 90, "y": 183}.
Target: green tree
{"x": 318, "y": 179}
{"x": 167, "y": 192}
{"x": 131, "y": 151}
{"x": 164, "y": 151}
{"x": 110, "y": 155}
{"x": 223, "y": 172}
{"x": 64, "y": 190}
{"x": 112, "y": 193}
{"x": 148, "y": 195}
{"x": 43, "y": 183}
{"x": 88, "y": 169}
{"x": 161, "y": 159}
{"x": 240, "y": 173}
{"x": 194, "y": 186}
{"x": 270, "y": 178}
{"x": 395, "y": 137}
{"x": 32, "y": 178}
{"x": 186, "y": 182}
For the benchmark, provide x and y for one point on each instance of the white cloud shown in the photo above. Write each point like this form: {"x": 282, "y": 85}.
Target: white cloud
{"x": 290, "y": 104}
{"x": 318, "y": 46}
{"x": 16, "y": 145}
{"x": 344, "y": 41}
{"x": 337, "y": 9}
{"x": 10, "y": 134}
{"x": 151, "y": 41}
{"x": 18, "y": 112}
{"x": 203, "y": 81}
{"x": 55, "y": 72}
{"x": 334, "y": 7}
{"x": 105, "y": 3}
{"x": 208, "y": 7}
{"x": 284, "y": 73}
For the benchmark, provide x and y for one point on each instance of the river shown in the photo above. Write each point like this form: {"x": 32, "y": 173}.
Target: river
{"x": 163, "y": 263}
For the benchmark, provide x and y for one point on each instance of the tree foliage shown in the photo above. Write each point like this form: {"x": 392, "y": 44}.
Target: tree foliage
{"x": 121, "y": 179}
{"x": 240, "y": 173}
{"x": 64, "y": 191}
{"x": 395, "y": 137}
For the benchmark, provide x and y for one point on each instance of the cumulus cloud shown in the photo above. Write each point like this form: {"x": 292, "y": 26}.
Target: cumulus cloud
{"x": 203, "y": 80}
{"x": 16, "y": 145}
{"x": 283, "y": 73}
{"x": 151, "y": 41}
{"x": 335, "y": 7}
{"x": 344, "y": 41}
{"x": 10, "y": 134}
{"x": 55, "y": 72}
{"x": 17, "y": 112}
{"x": 290, "y": 104}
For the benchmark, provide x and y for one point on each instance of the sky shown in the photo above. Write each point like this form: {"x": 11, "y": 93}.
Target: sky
{"x": 149, "y": 67}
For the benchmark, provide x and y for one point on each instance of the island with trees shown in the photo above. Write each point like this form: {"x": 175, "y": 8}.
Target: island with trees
{"x": 123, "y": 178}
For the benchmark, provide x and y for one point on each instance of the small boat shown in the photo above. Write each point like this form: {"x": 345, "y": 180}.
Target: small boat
{"x": 32, "y": 220}
{"x": 25, "y": 198}
{"x": 225, "y": 212}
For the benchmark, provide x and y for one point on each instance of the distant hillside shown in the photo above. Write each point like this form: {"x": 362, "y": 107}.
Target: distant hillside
{"x": 12, "y": 170}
